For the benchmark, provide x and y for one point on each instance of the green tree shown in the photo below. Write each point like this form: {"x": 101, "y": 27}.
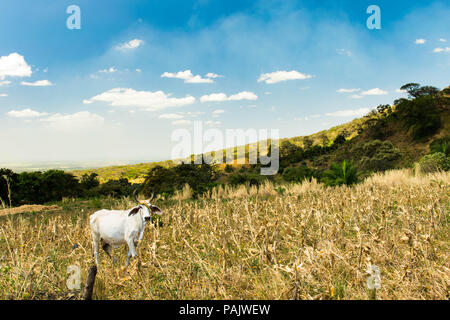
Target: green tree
{"x": 7, "y": 180}
{"x": 421, "y": 116}
{"x": 377, "y": 155}
{"x": 307, "y": 142}
{"x": 441, "y": 145}
{"x": 166, "y": 180}
{"x": 340, "y": 173}
{"x": 89, "y": 181}
{"x": 411, "y": 88}
{"x": 434, "y": 162}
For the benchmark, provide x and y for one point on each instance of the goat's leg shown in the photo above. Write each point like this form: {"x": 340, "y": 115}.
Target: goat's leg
{"x": 137, "y": 257}
{"x": 131, "y": 251}
{"x": 95, "y": 246}
{"x": 108, "y": 249}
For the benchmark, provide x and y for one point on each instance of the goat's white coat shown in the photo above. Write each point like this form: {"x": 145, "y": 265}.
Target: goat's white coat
{"x": 117, "y": 227}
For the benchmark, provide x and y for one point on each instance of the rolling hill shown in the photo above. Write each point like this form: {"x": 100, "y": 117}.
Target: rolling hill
{"x": 384, "y": 127}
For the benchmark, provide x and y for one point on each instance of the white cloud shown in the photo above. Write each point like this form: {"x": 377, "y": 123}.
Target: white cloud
{"x": 132, "y": 44}
{"x": 181, "y": 122}
{"x": 217, "y": 112}
{"x": 26, "y": 113}
{"x": 78, "y": 120}
{"x": 4, "y": 83}
{"x": 187, "y": 76}
{"x": 14, "y": 65}
{"x": 39, "y": 83}
{"x": 125, "y": 97}
{"x": 438, "y": 50}
{"x": 442, "y": 40}
{"x": 356, "y": 96}
{"x": 349, "y": 113}
{"x": 214, "y": 97}
{"x": 420, "y": 41}
{"x": 374, "y": 92}
{"x": 213, "y": 75}
{"x": 347, "y": 90}
{"x": 192, "y": 114}
{"x": 400, "y": 91}
{"x": 110, "y": 70}
{"x": 348, "y": 53}
{"x": 268, "y": 92}
{"x": 138, "y": 70}
{"x": 171, "y": 116}
{"x": 212, "y": 123}
{"x": 244, "y": 95}
{"x": 87, "y": 101}
{"x": 279, "y": 76}
{"x": 3, "y": 95}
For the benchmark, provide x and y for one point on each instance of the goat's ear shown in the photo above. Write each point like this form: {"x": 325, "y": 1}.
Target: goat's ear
{"x": 134, "y": 210}
{"x": 156, "y": 210}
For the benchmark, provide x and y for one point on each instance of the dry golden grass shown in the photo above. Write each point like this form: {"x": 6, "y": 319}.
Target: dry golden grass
{"x": 302, "y": 242}
{"x": 28, "y": 208}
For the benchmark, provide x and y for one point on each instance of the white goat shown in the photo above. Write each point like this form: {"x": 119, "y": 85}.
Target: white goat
{"x": 116, "y": 227}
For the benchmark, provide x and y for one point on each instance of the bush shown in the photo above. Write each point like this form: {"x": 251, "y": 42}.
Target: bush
{"x": 434, "y": 162}
{"x": 340, "y": 173}
{"x": 441, "y": 145}
{"x": 298, "y": 174}
{"x": 89, "y": 181}
{"x": 252, "y": 179}
{"x": 167, "y": 180}
{"x": 114, "y": 188}
{"x": 377, "y": 155}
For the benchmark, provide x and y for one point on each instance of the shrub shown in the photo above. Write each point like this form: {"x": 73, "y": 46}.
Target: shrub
{"x": 297, "y": 174}
{"x": 434, "y": 162}
{"x": 441, "y": 145}
{"x": 114, "y": 188}
{"x": 252, "y": 179}
{"x": 340, "y": 173}
{"x": 89, "y": 181}
{"x": 377, "y": 155}
{"x": 166, "y": 180}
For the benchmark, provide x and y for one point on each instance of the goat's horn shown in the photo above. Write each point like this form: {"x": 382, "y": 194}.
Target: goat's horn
{"x": 135, "y": 196}
{"x": 152, "y": 196}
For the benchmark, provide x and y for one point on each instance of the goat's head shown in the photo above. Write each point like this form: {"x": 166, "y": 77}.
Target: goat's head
{"x": 145, "y": 213}
{"x": 146, "y": 205}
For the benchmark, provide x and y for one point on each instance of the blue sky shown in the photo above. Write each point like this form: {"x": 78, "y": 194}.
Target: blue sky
{"x": 116, "y": 89}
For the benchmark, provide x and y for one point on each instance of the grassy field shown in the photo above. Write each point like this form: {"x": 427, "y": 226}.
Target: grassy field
{"x": 291, "y": 242}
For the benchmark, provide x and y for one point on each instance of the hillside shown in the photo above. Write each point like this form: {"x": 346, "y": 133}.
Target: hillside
{"x": 384, "y": 127}
{"x": 135, "y": 173}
